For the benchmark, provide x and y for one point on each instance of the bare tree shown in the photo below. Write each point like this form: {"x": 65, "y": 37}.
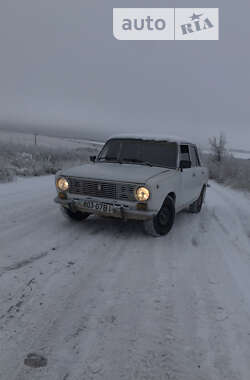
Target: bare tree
{"x": 218, "y": 147}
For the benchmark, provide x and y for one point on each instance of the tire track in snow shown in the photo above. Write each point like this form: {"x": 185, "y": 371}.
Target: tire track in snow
{"x": 22, "y": 263}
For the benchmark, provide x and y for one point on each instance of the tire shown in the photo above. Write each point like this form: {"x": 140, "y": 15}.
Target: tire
{"x": 78, "y": 216}
{"x": 162, "y": 223}
{"x": 196, "y": 207}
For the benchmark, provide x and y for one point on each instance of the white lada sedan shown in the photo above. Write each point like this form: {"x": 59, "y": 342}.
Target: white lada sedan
{"x": 147, "y": 178}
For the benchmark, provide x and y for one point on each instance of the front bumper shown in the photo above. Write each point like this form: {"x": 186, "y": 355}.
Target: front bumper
{"x": 122, "y": 211}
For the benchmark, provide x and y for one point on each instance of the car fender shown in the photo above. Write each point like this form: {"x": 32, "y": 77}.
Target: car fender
{"x": 160, "y": 186}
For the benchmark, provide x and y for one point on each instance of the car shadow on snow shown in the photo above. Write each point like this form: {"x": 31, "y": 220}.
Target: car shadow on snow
{"x": 95, "y": 225}
{"x": 115, "y": 227}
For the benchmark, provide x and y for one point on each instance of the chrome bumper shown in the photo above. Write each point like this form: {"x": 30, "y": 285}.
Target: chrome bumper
{"x": 119, "y": 210}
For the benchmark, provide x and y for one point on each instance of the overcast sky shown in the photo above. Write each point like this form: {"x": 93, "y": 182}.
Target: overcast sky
{"x": 61, "y": 69}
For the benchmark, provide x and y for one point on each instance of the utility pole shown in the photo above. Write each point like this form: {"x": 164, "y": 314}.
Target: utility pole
{"x": 35, "y": 138}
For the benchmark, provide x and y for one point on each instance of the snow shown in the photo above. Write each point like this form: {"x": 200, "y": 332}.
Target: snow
{"x": 19, "y": 155}
{"x": 46, "y": 141}
{"x": 242, "y": 155}
{"x": 101, "y": 300}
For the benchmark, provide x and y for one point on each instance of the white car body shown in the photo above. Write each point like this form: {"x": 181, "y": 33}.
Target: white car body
{"x": 183, "y": 185}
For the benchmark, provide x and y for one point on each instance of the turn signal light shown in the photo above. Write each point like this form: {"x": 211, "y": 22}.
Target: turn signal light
{"x": 141, "y": 206}
{"x": 62, "y": 195}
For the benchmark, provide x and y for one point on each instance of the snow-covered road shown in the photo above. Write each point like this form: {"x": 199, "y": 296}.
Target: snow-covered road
{"x": 101, "y": 300}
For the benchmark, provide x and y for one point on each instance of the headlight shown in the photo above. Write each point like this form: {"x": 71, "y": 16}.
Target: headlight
{"x": 142, "y": 194}
{"x": 62, "y": 184}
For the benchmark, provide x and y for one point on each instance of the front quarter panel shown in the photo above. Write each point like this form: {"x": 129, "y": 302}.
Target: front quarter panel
{"x": 160, "y": 186}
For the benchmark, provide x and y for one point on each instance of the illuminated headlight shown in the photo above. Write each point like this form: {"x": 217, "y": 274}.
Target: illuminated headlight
{"x": 62, "y": 184}
{"x": 142, "y": 194}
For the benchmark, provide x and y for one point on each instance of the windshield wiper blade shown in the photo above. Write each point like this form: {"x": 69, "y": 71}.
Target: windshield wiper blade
{"x": 147, "y": 163}
{"x": 136, "y": 160}
{"x": 110, "y": 159}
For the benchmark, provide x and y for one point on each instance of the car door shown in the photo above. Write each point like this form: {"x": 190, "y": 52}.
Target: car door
{"x": 202, "y": 170}
{"x": 187, "y": 176}
{"x": 196, "y": 172}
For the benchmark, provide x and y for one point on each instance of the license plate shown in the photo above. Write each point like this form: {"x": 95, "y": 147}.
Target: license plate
{"x": 96, "y": 206}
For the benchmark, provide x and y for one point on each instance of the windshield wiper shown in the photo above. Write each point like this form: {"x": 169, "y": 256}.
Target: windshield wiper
{"x": 135, "y": 160}
{"x": 110, "y": 159}
{"x": 127, "y": 160}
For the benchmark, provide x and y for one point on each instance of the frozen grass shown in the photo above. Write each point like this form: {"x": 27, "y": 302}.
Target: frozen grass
{"x": 17, "y": 159}
{"x": 231, "y": 171}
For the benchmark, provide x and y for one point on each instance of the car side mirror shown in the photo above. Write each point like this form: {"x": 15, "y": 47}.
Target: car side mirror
{"x": 92, "y": 158}
{"x": 185, "y": 164}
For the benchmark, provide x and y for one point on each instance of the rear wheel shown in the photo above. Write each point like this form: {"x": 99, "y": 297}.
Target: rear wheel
{"x": 196, "y": 207}
{"x": 162, "y": 223}
{"x": 74, "y": 215}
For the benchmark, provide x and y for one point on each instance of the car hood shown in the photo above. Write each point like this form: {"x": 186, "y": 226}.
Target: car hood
{"x": 115, "y": 172}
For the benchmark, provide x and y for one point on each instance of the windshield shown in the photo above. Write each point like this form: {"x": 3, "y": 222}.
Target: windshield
{"x": 141, "y": 152}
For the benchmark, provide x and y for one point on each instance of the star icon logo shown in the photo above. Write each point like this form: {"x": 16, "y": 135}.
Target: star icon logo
{"x": 196, "y": 17}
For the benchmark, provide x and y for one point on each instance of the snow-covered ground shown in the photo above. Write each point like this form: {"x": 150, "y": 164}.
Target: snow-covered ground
{"x": 24, "y": 154}
{"x": 101, "y": 300}
{"x": 46, "y": 141}
{"x": 244, "y": 155}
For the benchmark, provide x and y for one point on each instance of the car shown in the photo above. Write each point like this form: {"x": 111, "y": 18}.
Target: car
{"x": 149, "y": 178}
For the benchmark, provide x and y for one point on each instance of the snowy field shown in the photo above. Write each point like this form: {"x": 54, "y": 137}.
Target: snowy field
{"x": 101, "y": 300}
{"x": 45, "y": 141}
{"x": 242, "y": 155}
{"x": 23, "y": 154}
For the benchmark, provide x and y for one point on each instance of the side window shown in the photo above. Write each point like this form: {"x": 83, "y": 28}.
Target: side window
{"x": 193, "y": 155}
{"x": 184, "y": 153}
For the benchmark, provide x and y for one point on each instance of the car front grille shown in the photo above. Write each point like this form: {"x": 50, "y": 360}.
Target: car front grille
{"x": 119, "y": 191}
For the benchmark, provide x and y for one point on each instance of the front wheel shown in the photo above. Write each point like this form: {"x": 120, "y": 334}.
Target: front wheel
{"x": 74, "y": 215}
{"x": 161, "y": 223}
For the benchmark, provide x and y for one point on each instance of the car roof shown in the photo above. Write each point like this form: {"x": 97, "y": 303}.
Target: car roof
{"x": 149, "y": 136}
